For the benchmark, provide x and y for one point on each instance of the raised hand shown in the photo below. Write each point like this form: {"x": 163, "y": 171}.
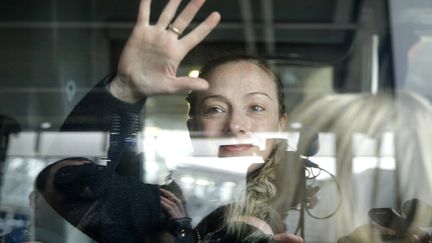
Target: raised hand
{"x": 149, "y": 61}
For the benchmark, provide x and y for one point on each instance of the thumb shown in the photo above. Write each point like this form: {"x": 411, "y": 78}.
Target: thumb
{"x": 189, "y": 83}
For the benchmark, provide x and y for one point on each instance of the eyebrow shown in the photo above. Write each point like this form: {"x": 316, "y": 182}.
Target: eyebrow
{"x": 259, "y": 93}
{"x": 213, "y": 97}
{"x": 223, "y": 97}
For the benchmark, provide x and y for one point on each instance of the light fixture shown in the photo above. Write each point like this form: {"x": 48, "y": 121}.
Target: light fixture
{"x": 45, "y": 125}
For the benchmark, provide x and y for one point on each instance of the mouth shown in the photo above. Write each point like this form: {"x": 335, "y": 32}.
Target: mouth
{"x": 233, "y": 148}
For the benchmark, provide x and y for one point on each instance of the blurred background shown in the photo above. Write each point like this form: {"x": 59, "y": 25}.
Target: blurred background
{"x": 53, "y": 52}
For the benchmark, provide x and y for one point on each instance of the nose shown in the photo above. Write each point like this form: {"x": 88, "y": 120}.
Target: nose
{"x": 237, "y": 124}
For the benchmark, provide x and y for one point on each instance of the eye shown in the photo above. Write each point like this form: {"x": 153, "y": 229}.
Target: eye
{"x": 256, "y": 108}
{"x": 213, "y": 110}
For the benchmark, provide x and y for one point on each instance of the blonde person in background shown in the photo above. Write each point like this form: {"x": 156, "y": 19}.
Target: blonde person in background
{"x": 404, "y": 119}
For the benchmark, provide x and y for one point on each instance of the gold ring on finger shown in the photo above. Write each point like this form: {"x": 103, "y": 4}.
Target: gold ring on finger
{"x": 174, "y": 29}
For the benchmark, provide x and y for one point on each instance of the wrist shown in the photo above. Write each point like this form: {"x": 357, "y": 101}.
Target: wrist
{"x": 120, "y": 88}
{"x": 180, "y": 227}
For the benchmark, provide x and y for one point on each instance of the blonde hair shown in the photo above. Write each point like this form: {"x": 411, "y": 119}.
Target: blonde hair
{"x": 406, "y": 115}
{"x": 269, "y": 194}
{"x": 260, "y": 190}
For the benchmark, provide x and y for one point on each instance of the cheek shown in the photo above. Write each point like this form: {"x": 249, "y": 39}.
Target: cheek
{"x": 212, "y": 127}
{"x": 265, "y": 125}
{"x": 268, "y": 121}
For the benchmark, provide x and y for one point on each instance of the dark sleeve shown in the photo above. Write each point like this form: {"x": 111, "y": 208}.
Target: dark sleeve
{"x": 96, "y": 111}
{"x": 144, "y": 212}
{"x": 122, "y": 209}
{"x": 99, "y": 111}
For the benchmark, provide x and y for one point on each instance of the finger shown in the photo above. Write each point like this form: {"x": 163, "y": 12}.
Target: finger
{"x": 167, "y": 207}
{"x": 170, "y": 205}
{"x": 188, "y": 83}
{"x": 168, "y": 13}
{"x": 171, "y": 208}
{"x": 175, "y": 203}
{"x": 188, "y": 13}
{"x": 144, "y": 12}
{"x": 201, "y": 31}
{"x": 170, "y": 196}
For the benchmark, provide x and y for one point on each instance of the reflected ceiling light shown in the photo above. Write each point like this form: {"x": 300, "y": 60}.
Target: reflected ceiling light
{"x": 187, "y": 180}
{"x": 45, "y": 125}
{"x": 229, "y": 184}
{"x": 202, "y": 182}
{"x": 194, "y": 73}
{"x": 296, "y": 125}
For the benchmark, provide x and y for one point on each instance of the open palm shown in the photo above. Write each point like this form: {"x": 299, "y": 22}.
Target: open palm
{"x": 152, "y": 54}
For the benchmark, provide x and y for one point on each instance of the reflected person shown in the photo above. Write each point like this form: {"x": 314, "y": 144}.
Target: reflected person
{"x": 397, "y": 126}
{"x": 105, "y": 206}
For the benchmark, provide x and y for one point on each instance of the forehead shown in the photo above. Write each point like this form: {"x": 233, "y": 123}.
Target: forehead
{"x": 240, "y": 77}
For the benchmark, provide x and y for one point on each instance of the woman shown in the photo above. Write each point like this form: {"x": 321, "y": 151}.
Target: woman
{"x": 234, "y": 97}
{"x": 244, "y": 100}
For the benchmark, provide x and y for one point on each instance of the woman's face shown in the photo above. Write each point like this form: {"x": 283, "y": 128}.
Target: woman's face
{"x": 241, "y": 104}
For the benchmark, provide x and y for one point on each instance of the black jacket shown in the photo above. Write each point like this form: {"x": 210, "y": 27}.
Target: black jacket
{"x": 113, "y": 203}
